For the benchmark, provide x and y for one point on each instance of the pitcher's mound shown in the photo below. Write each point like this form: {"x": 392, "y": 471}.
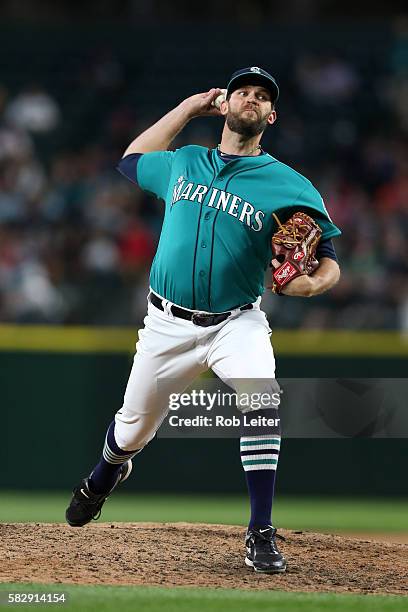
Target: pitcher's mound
{"x": 183, "y": 554}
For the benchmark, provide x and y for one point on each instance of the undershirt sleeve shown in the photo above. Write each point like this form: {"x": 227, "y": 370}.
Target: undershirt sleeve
{"x": 325, "y": 248}
{"x": 128, "y": 166}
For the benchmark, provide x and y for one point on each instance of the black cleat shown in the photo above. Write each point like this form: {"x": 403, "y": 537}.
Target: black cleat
{"x": 262, "y": 552}
{"x": 85, "y": 505}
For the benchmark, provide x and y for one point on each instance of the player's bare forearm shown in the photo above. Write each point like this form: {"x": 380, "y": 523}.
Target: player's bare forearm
{"x": 159, "y": 136}
{"x": 322, "y": 279}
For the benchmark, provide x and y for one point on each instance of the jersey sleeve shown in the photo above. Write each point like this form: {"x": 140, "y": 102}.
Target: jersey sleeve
{"x": 153, "y": 172}
{"x": 311, "y": 202}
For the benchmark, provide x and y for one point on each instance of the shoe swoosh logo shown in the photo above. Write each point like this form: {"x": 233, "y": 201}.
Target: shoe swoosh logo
{"x": 83, "y": 493}
{"x": 263, "y": 530}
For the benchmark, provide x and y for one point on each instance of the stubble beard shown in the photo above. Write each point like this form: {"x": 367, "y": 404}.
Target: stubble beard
{"x": 246, "y": 127}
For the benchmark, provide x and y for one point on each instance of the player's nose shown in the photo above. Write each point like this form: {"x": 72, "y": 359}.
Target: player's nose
{"x": 251, "y": 99}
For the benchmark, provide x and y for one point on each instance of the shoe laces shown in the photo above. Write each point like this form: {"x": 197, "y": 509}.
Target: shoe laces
{"x": 267, "y": 539}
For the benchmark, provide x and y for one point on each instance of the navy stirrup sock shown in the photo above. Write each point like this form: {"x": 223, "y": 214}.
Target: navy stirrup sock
{"x": 261, "y": 486}
{"x": 259, "y": 457}
{"x": 105, "y": 474}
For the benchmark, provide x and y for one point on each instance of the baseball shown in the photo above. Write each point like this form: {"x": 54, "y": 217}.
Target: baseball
{"x": 219, "y": 99}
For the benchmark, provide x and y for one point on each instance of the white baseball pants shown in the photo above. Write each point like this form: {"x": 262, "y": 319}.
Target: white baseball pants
{"x": 176, "y": 351}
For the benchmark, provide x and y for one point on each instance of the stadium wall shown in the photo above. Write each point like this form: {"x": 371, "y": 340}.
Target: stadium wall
{"x": 61, "y": 386}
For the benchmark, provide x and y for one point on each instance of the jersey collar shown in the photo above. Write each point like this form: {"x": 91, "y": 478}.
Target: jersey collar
{"x": 244, "y": 160}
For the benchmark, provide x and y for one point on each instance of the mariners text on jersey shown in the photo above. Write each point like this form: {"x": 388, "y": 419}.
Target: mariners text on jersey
{"x": 230, "y": 203}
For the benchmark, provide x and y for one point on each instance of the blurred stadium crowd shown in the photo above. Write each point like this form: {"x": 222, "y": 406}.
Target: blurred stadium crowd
{"x": 77, "y": 240}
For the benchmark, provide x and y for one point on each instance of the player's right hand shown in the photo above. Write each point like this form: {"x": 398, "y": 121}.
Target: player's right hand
{"x": 200, "y": 105}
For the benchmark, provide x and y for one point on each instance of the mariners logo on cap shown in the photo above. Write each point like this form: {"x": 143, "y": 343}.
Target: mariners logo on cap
{"x": 255, "y": 69}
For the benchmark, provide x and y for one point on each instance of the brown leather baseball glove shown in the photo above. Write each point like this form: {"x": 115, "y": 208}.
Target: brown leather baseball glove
{"x": 293, "y": 249}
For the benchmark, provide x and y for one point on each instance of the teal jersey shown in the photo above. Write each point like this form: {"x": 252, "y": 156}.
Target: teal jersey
{"x": 215, "y": 243}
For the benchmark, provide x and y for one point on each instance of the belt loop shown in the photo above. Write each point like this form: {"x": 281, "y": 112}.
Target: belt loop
{"x": 164, "y": 304}
{"x": 235, "y": 312}
{"x": 167, "y": 308}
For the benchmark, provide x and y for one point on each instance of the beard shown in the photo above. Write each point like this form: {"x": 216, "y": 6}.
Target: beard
{"x": 246, "y": 127}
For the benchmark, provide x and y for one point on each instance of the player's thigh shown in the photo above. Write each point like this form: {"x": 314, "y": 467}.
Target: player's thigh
{"x": 150, "y": 383}
{"x": 243, "y": 348}
{"x": 165, "y": 363}
{"x": 243, "y": 358}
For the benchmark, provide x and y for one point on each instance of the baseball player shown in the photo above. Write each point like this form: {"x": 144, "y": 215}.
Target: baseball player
{"x": 206, "y": 284}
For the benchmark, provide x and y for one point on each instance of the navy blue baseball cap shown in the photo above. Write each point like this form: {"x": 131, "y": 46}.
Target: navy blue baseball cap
{"x": 252, "y": 76}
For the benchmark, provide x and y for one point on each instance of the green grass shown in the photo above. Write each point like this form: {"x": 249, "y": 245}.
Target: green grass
{"x": 321, "y": 514}
{"x": 155, "y": 599}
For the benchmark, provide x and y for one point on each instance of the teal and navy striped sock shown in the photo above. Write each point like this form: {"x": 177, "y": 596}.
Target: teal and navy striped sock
{"x": 105, "y": 473}
{"x": 259, "y": 457}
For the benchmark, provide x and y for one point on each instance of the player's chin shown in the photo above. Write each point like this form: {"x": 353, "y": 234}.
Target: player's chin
{"x": 252, "y": 126}
{"x": 249, "y": 120}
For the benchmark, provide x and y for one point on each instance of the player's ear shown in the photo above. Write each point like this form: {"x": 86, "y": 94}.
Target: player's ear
{"x": 272, "y": 117}
{"x": 224, "y": 107}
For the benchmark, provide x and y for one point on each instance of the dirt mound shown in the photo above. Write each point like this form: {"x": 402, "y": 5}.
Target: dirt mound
{"x": 182, "y": 554}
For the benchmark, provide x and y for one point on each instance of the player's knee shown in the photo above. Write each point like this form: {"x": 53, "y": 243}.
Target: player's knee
{"x": 134, "y": 435}
{"x": 255, "y": 395}
{"x": 128, "y": 440}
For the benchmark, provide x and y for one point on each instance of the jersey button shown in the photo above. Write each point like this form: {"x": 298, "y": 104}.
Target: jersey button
{"x": 203, "y": 245}
{"x": 202, "y": 273}
{"x": 207, "y": 216}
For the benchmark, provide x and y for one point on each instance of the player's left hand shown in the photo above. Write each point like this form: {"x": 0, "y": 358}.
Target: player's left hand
{"x": 293, "y": 250}
{"x": 323, "y": 278}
